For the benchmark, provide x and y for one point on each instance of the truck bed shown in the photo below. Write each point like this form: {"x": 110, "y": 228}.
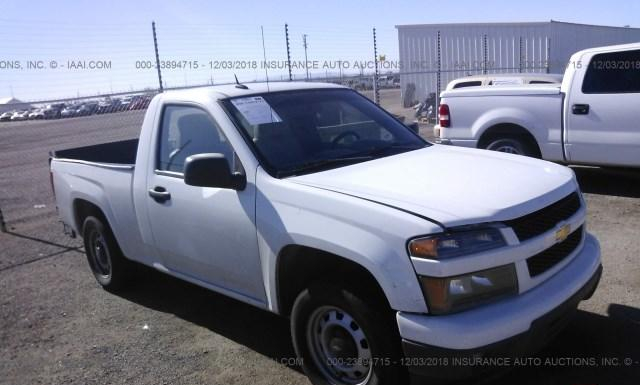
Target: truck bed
{"x": 102, "y": 175}
{"x": 120, "y": 152}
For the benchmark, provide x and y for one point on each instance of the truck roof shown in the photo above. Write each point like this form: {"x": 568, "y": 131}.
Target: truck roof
{"x": 504, "y": 90}
{"x": 230, "y": 90}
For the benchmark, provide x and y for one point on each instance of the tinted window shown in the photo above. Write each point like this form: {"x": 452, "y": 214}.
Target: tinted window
{"x": 611, "y": 73}
{"x": 187, "y": 131}
{"x": 290, "y": 130}
{"x": 539, "y": 82}
{"x": 468, "y": 84}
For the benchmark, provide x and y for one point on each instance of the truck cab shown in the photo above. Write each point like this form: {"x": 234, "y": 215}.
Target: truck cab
{"x": 602, "y": 88}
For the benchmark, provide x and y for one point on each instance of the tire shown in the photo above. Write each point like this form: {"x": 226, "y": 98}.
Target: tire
{"x": 353, "y": 329}
{"x": 510, "y": 145}
{"x": 110, "y": 268}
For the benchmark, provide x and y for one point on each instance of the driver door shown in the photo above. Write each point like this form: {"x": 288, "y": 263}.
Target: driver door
{"x": 202, "y": 233}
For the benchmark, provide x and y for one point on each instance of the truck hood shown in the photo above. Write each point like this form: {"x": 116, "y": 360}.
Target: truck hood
{"x": 451, "y": 186}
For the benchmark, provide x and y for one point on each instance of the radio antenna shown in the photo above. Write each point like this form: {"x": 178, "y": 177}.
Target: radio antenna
{"x": 238, "y": 85}
{"x": 264, "y": 54}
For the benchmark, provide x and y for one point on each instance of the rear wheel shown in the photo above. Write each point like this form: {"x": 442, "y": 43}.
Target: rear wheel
{"x": 110, "y": 268}
{"x": 511, "y": 145}
{"x": 345, "y": 338}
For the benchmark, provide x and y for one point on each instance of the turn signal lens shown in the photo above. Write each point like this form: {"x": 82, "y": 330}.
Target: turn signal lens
{"x": 427, "y": 247}
{"x": 456, "y": 243}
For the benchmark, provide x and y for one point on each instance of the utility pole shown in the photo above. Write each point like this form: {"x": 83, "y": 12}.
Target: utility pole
{"x": 286, "y": 36}
{"x": 547, "y": 63}
{"x": 484, "y": 54}
{"x": 438, "y": 75}
{"x": 306, "y": 61}
{"x": 155, "y": 46}
{"x": 520, "y": 54}
{"x": 376, "y": 91}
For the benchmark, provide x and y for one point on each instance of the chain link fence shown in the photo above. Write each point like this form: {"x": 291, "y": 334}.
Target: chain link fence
{"x": 78, "y": 85}
{"x": 430, "y": 63}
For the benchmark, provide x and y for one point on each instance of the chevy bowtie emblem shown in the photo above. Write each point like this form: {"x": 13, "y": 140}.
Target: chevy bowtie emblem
{"x": 563, "y": 233}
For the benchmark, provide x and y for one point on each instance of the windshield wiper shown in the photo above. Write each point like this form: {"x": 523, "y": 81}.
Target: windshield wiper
{"x": 383, "y": 149}
{"x": 322, "y": 164}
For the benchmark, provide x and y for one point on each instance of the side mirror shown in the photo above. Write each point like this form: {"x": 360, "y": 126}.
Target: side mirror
{"x": 415, "y": 127}
{"x": 212, "y": 170}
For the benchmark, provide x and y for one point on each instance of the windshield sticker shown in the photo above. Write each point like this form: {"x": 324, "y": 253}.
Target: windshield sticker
{"x": 256, "y": 110}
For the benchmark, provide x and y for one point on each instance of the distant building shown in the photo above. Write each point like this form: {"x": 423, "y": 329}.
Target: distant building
{"x": 472, "y": 48}
{"x": 10, "y": 104}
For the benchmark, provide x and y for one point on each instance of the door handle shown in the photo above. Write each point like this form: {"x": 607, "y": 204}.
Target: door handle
{"x": 580, "y": 109}
{"x": 159, "y": 194}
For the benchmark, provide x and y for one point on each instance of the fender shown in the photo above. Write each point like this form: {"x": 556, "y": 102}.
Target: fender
{"x": 351, "y": 228}
{"x": 542, "y": 120}
{"x": 92, "y": 192}
{"x": 107, "y": 197}
{"x": 507, "y": 115}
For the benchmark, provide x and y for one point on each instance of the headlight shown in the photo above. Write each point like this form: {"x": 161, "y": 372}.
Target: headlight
{"x": 457, "y": 243}
{"x": 452, "y": 294}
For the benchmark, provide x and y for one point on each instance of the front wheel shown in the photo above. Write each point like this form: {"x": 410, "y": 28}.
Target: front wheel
{"x": 344, "y": 339}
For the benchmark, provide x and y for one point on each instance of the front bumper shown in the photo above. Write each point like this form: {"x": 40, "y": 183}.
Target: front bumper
{"x": 447, "y": 346}
{"x": 470, "y": 143}
{"x": 437, "y": 362}
{"x": 443, "y": 141}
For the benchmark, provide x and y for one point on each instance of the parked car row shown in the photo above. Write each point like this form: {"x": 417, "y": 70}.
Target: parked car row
{"x": 15, "y": 115}
{"x": 70, "y": 110}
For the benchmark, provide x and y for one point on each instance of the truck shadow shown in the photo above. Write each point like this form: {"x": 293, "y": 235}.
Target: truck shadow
{"x": 591, "y": 350}
{"x": 609, "y": 181}
{"x": 259, "y": 330}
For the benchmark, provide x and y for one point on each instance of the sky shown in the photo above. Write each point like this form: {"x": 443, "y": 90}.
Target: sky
{"x": 48, "y": 49}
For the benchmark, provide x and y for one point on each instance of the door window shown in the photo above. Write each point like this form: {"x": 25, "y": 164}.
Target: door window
{"x": 613, "y": 73}
{"x": 187, "y": 131}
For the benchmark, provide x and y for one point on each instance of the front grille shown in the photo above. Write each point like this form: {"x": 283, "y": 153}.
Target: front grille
{"x": 548, "y": 258}
{"x": 545, "y": 219}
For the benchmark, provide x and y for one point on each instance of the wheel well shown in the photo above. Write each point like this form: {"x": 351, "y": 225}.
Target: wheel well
{"x": 82, "y": 209}
{"x": 512, "y": 131}
{"x": 299, "y": 266}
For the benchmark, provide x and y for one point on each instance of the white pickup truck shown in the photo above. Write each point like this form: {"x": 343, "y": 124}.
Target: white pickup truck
{"x": 310, "y": 201}
{"x": 592, "y": 118}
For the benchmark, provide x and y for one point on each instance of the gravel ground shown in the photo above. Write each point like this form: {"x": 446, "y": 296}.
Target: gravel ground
{"x": 57, "y": 326}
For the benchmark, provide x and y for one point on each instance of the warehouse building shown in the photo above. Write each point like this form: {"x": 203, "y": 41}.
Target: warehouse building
{"x": 11, "y": 104}
{"x": 471, "y": 49}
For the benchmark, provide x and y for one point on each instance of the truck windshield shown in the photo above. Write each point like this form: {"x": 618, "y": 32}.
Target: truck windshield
{"x": 305, "y": 131}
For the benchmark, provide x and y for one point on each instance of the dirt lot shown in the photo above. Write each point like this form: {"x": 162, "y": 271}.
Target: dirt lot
{"x": 57, "y": 326}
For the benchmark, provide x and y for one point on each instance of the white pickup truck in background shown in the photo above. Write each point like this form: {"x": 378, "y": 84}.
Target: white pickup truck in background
{"x": 310, "y": 201}
{"x": 593, "y": 118}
